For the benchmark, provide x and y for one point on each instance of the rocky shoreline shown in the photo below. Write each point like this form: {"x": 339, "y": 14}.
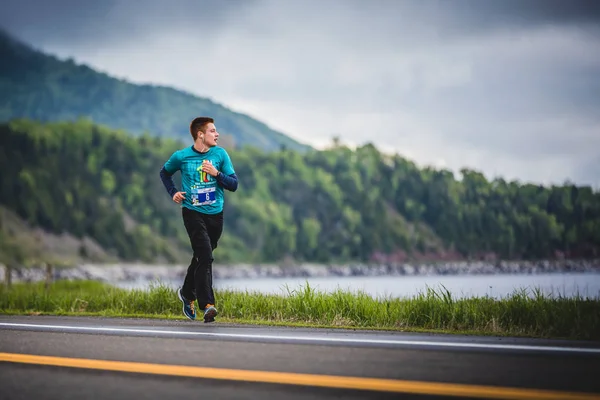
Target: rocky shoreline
{"x": 144, "y": 272}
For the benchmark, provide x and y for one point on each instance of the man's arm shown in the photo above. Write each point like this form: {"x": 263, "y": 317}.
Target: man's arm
{"x": 229, "y": 182}
{"x": 167, "y": 180}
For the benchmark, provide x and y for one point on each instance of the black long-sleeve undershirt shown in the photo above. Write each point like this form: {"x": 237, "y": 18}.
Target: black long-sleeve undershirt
{"x": 229, "y": 182}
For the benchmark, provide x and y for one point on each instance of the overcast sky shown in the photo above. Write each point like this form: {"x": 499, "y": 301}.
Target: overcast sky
{"x": 510, "y": 88}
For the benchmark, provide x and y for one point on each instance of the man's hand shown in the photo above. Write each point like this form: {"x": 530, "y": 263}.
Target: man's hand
{"x": 179, "y": 197}
{"x": 209, "y": 169}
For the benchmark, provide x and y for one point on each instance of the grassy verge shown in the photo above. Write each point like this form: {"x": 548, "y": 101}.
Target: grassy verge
{"x": 517, "y": 315}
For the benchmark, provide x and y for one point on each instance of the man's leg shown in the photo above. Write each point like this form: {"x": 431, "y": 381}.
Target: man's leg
{"x": 203, "y": 254}
{"x": 214, "y": 225}
{"x": 188, "y": 290}
{"x": 189, "y": 310}
{"x": 203, "y": 276}
{"x": 196, "y": 228}
{"x": 215, "y": 229}
{"x": 204, "y": 232}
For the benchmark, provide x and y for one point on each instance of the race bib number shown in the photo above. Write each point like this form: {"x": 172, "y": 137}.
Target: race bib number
{"x": 204, "y": 196}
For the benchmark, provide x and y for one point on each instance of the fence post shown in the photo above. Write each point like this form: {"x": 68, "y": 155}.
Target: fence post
{"x": 49, "y": 275}
{"x": 8, "y": 275}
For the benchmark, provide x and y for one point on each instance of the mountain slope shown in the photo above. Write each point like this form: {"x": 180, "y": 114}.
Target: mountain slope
{"x": 97, "y": 192}
{"x": 42, "y": 87}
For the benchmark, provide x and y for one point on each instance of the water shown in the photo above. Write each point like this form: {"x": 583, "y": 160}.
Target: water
{"x": 497, "y": 286}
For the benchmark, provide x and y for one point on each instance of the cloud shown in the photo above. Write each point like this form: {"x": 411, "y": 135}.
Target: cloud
{"x": 509, "y": 88}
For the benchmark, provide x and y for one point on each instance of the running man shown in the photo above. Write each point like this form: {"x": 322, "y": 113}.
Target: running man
{"x": 206, "y": 170}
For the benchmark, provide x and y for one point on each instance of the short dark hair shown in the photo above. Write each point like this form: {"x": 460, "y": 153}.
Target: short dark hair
{"x": 199, "y": 124}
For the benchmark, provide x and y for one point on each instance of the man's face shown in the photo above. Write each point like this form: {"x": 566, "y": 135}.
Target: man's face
{"x": 211, "y": 135}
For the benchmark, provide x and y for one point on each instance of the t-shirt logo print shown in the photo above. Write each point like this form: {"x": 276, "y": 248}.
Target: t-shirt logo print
{"x": 204, "y": 177}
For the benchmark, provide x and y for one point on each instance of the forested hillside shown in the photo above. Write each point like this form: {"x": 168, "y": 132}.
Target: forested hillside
{"x": 41, "y": 87}
{"x": 323, "y": 206}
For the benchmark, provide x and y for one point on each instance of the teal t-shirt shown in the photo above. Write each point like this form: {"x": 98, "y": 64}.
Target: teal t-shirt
{"x": 202, "y": 191}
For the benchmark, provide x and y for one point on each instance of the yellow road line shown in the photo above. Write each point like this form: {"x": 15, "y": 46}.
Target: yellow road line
{"x": 286, "y": 378}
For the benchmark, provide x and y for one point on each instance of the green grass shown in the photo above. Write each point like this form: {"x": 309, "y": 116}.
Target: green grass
{"x": 521, "y": 314}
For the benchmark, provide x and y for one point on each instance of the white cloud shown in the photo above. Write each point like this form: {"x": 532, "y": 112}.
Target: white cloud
{"x": 515, "y": 94}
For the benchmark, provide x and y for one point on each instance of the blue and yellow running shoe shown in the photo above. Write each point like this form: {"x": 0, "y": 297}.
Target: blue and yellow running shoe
{"x": 188, "y": 306}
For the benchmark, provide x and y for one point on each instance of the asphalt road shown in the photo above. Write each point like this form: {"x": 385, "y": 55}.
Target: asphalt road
{"x": 72, "y": 357}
